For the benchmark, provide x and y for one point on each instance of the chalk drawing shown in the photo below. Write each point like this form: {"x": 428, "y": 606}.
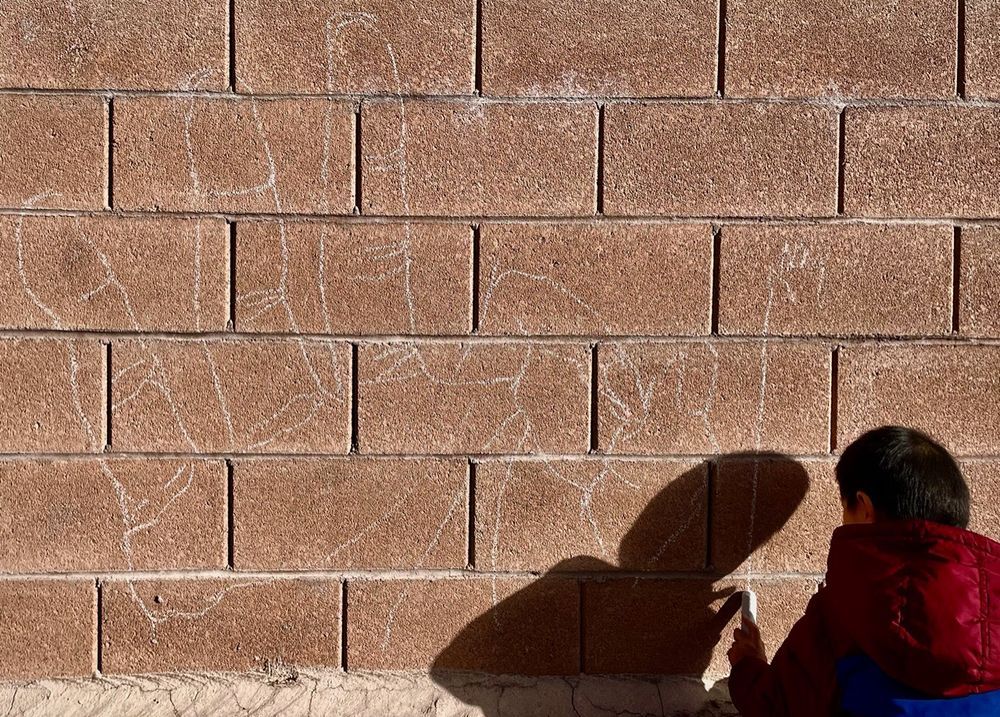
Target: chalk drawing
{"x": 397, "y": 362}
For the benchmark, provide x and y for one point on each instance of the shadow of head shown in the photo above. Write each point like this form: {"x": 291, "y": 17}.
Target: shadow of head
{"x": 660, "y": 609}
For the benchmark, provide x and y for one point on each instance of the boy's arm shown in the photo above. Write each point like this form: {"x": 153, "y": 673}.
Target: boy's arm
{"x": 801, "y": 679}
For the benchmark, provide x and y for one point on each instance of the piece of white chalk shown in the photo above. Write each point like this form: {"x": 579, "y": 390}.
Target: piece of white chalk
{"x": 750, "y": 606}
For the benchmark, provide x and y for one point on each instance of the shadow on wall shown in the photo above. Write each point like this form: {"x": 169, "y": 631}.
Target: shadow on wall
{"x": 632, "y": 623}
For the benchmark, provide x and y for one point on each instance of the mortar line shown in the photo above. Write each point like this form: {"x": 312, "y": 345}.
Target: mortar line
{"x": 841, "y": 159}
{"x": 834, "y": 395}
{"x": 231, "y": 45}
{"x": 711, "y": 477}
{"x": 230, "y": 518}
{"x": 354, "y": 399}
{"x": 715, "y": 279}
{"x": 389, "y": 575}
{"x": 357, "y": 159}
{"x": 476, "y": 241}
{"x": 594, "y": 408}
{"x": 720, "y": 66}
{"x": 478, "y": 457}
{"x": 109, "y": 189}
{"x": 343, "y": 624}
{"x": 960, "y": 51}
{"x": 107, "y": 397}
{"x": 471, "y": 544}
{"x": 387, "y": 97}
{"x": 477, "y": 61}
{"x": 99, "y": 627}
{"x": 231, "y": 226}
{"x": 582, "y": 642}
{"x": 956, "y": 278}
{"x": 600, "y": 159}
{"x": 546, "y": 219}
{"x": 943, "y": 339}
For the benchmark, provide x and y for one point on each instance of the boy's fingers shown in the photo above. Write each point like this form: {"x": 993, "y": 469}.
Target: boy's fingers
{"x": 750, "y": 628}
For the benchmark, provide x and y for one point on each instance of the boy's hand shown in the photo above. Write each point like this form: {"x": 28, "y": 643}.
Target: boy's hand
{"x": 746, "y": 643}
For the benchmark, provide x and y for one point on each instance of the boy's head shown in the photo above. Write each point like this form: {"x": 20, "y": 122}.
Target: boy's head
{"x": 897, "y": 473}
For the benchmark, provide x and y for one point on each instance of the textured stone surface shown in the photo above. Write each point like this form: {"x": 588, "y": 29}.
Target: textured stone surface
{"x": 257, "y": 396}
{"x": 635, "y": 48}
{"x": 773, "y": 515}
{"x": 94, "y": 273}
{"x": 584, "y": 514}
{"x": 709, "y": 397}
{"x": 53, "y": 151}
{"x": 51, "y": 390}
{"x": 926, "y": 162}
{"x": 113, "y": 45}
{"x": 979, "y": 286}
{"x": 478, "y": 158}
{"x": 239, "y": 155}
{"x": 477, "y": 310}
{"x": 711, "y": 159}
{"x": 352, "y": 514}
{"x": 48, "y": 628}
{"x": 636, "y": 625}
{"x": 862, "y": 279}
{"x": 982, "y": 48}
{"x": 450, "y": 397}
{"x": 501, "y": 625}
{"x": 76, "y": 515}
{"x": 374, "y": 47}
{"x": 983, "y": 477}
{"x": 952, "y": 392}
{"x": 354, "y": 278}
{"x": 221, "y": 624}
{"x": 647, "y": 279}
{"x": 852, "y": 48}
{"x": 286, "y": 689}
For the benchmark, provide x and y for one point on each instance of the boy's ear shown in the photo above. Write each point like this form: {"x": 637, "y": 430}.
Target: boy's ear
{"x": 865, "y": 507}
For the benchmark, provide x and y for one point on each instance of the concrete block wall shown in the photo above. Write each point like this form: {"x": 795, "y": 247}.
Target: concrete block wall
{"x": 485, "y": 335}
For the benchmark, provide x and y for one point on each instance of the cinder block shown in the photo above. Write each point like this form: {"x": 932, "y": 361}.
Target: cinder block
{"x": 52, "y": 391}
{"x": 566, "y": 48}
{"x": 120, "y": 274}
{"x": 354, "y": 278}
{"x": 591, "y": 514}
{"x": 53, "y": 150}
{"x": 951, "y": 392}
{"x": 595, "y": 279}
{"x": 835, "y": 279}
{"x": 979, "y": 283}
{"x": 712, "y": 159}
{"x": 713, "y": 397}
{"x": 921, "y": 162}
{"x": 500, "y": 625}
{"x": 232, "y": 624}
{"x": 235, "y": 155}
{"x": 256, "y": 396}
{"x": 353, "y": 514}
{"x": 982, "y": 49}
{"x": 773, "y": 514}
{"x": 48, "y": 628}
{"x": 797, "y": 48}
{"x": 84, "y": 515}
{"x": 381, "y": 47}
{"x": 983, "y": 477}
{"x": 478, "y": 158}
{"x": 450, "y": 397}
{"x": 89, "y": 44}
{"x": 637, "y": 626}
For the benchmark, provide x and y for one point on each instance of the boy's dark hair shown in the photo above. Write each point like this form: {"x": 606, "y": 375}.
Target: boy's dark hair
{"x": 907, "y": 475}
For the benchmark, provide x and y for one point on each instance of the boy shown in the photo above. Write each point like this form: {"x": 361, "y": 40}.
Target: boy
{"x": 908, "y": 620}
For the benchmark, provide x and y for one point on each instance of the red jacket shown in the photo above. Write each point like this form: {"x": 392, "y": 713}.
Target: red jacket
{"x": 922, "y": 600}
